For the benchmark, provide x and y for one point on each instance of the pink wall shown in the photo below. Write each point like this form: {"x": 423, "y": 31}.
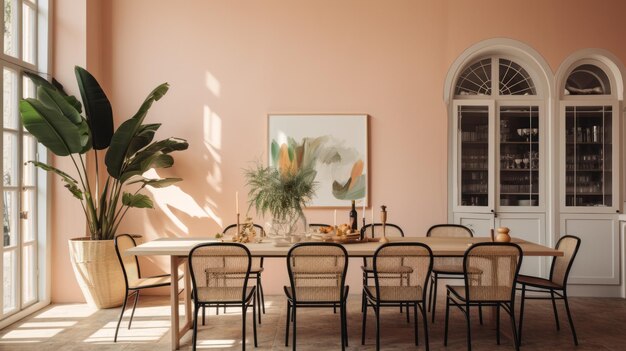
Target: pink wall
{"x": 230, "y": 63}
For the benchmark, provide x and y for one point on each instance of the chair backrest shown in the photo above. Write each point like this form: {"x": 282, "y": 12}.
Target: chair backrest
{"x": 318, "y": 267}
{"x": 402, "y": 265}
{"x": 491, "y": 271}
{"x": 232, "y": 229}
{"x": 376, "y": 230}
{"x": 220, "y": 265}
{"x": 561, "y": 265}
{"x": 130, "y": 265}
{"x": 449, "y": 231}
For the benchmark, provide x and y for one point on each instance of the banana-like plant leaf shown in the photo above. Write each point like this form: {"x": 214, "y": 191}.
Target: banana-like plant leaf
{"x": 52, "y": 129}
{"x": 97, "y": 108}
{"x": 156, "y": 183}
{"x": 51, "y": 98}
{"x": 118, "y": 152}
{"x": 136, "y": 200}
{"x": 70, "y": 183}
{"x": 143, "y": 160}
{"x": 55, "y": 85}
{"x": 144, "y": 137}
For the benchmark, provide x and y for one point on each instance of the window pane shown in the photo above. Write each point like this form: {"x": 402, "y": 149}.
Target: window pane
{"x": 29, "y": 147}
{"x": 28, "y": 34}
{"x": 514, "y": 80}
{"x": 28, "y": 88}
{"x": 29, "y": 276}
{"x": 10, "y": 281}
{"x": 475, "y": 79}
{"x": 29, "y": 206}
{"x": 474, "y": 150}
{"x": 9, "y": 220}
{"x": 587, "y": 80}
{"x": 9, "y": 157}
{"x": 9, "y": 99}
{"x": 10, "y": 27}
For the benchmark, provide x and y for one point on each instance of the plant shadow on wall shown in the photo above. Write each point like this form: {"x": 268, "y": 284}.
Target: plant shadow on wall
{"x": 54, "y": 119}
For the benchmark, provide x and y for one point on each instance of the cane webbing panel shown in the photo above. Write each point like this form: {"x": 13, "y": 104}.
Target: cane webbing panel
{"x": 129, "y": 262}
{"x": 220, "y": 272}
{"x": 316, "y": 273}
{"x": 395, "y": 281}
{"x": 491, "y": 271}
{"x": 559, "y": 269}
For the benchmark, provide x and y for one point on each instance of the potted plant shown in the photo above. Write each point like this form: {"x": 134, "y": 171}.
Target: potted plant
{"x": 283, "y": 190}
{"x": 54, "y": 119}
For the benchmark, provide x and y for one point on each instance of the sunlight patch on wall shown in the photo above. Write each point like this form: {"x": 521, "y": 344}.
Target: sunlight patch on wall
{"x": 213, "y": 84}
{"x": 174, "y": 196}
{"x": 212, "y": 127}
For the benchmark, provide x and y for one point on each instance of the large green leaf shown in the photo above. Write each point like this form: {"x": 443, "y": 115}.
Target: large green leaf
{"x": 51, "y": 98}
{"x": 136, "y": 200}
{"x": 52, "y": 129}
{"x": 118, "y": 152}
{"x": 70, "y": 183}
{"x": 55, "y": 85}
{"x": 144, "y": 159}
{"x": 97, "y": 108}
{"x": 144, "y": 137}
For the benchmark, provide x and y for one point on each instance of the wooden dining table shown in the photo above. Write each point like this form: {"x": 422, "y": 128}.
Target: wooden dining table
{"x": 178, "y": 250}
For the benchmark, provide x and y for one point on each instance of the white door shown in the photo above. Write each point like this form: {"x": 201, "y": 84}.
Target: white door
{"x": 530, "y": 227}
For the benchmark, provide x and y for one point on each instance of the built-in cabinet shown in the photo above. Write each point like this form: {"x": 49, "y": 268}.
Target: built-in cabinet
{"x": 542, "y": 168}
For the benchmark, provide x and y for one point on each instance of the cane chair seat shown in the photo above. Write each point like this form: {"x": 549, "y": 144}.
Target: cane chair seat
{"x": 150, "y": 282}
{"x": 395, "y": 293}
{"x": 316, "y": 293}
{"x": 481, "y": 293}
{"x": 223, "y": 294}
{"x": 538, "y": 282}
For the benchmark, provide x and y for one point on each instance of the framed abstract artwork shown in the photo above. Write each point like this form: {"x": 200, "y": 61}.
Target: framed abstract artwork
{"x": 335, "y": 146}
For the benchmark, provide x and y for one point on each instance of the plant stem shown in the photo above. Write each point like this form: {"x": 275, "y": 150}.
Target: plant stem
{"x": 88, "y": 210}
{"x": 95, "y": 152}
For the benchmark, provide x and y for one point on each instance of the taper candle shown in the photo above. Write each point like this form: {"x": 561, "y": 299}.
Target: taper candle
{"x": 335, "y": 218}
{"x": 363, "y": 208}
{"x": 237, "y": 201}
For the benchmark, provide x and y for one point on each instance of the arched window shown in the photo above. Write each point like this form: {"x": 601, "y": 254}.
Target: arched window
{"x": 498, "y": 148}
{"x": 589, "y": 124}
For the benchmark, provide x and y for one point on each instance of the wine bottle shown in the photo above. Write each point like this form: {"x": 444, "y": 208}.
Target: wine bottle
{"x": 353, "y": 215}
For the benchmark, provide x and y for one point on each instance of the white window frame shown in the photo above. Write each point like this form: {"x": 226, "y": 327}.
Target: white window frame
{"x": 41, "y": 65}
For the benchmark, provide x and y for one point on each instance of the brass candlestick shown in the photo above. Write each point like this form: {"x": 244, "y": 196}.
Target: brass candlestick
{"x": 383, "y": 220}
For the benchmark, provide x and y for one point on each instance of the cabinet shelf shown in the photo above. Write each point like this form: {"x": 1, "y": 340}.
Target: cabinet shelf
{"x": 588, "y": 194}
{"x": 589, "y": 170}
{"x": 532, "y": 194}
{"x": 519, "y": 142}
{"x": 519, "y": 169}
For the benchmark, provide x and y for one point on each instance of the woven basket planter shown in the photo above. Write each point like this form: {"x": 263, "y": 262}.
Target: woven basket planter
{"x": 98, "y": 271}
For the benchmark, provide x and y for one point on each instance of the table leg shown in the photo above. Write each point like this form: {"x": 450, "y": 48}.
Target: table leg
{"x": 175, "y": 344}
{"x": 188, "y": 315}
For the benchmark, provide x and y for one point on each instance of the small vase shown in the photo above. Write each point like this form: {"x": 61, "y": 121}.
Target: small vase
{"x": 503, "y": 235}
{"x": 293, "y": 225}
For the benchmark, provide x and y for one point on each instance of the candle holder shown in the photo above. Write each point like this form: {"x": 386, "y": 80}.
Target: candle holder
{"x": 383, "y": 220}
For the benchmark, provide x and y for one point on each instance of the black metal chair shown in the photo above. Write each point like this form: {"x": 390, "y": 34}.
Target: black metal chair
{"x": 219, "y": 276}
{"x": 490, "y": 272}
{"x": 446, "y": 267}
{"x": 555, "y": 285}
{"x": 375, "y": 230}
{"x": 317, "y": 275}
{"x": 132, "y": 276}
{"x": 401, "y": 274}
{"x": 255, "y": 272}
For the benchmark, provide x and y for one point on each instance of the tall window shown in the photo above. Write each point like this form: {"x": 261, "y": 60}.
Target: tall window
{"x": 499, "y": 122}
{"x": 22, "y": 186}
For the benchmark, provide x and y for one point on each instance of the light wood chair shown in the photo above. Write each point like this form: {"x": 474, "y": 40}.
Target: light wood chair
{"x": 132, "y": 276}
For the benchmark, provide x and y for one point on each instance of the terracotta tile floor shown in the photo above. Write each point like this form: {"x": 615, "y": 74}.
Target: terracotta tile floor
{"x": 601, "y": 325}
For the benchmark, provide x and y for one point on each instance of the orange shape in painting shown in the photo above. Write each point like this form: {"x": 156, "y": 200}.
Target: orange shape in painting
{"x": 357, "y": 170}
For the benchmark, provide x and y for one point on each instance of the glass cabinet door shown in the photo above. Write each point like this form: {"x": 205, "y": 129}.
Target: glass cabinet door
{"x": 589, "y": 156}
{"x": 519, "y": 156}
{"x": 473, "y": 167}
